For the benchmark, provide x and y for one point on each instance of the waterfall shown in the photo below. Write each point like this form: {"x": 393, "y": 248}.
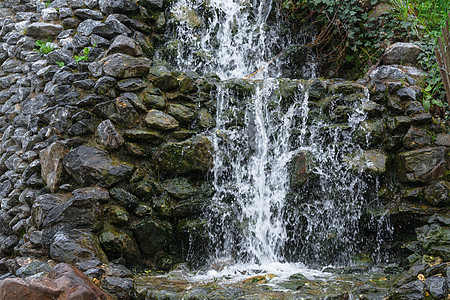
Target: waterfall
{"x": 257, "y": 215}
{"x": 228, "y": 37}
{"x": 250, "y": 174}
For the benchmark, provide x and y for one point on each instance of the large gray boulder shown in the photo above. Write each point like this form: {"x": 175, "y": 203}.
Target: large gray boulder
{"x": 159, "y": 120}
{"x": 92, "y": 166}
{"x": 124, "y": 66}
{"x": 423, "y": 165}
{"x": 108, "y": 135}
{"x": 401, "y": 54}
{"x": 40, "y": 30}
{"x": 51, "y": 164}
{"x": 192, "y": 155}
{"x": 76, "y": 246}
{"x": 117, "y": 6}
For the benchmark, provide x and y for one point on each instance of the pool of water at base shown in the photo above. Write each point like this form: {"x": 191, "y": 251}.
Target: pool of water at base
{"x": 267, "y": 281}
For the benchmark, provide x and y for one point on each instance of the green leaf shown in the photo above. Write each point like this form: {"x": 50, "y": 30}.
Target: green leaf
{"x": 426, "y": 104}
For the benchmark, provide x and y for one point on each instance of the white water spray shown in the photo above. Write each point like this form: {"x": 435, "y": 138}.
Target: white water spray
{"x": 253, "y": 219}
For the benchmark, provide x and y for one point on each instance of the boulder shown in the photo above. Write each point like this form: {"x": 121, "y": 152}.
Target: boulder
{"x": 181, "y": 112}
{"x": 437, "y": 286}
{"x": 180, "y": 188}
{"x": 369, "y": 161}
{"x": 41, "y": 30}
{"x": 317, "y": 89}
{"x": 92, "y": 194}
{"x": 117, "y": 244}
{"x": 76, "y": 246}
{"x": 152, "y": 137}
{"x": 152, "y": 4}
{"x": 399, "y": 124}
{"x": 105, "y": 86}
{"x": 153, "y": 235}
{"x": 437, "y": 193}
{"x": 92, "y": 166}
{"x": 443, "y": 139}
{"x": 117, "y": 6}
{"x": 120, "y": 111}
{"x": 108, "y": 135}
{"x": 413, "y": 290}
{"x": 435, "y": 240}
{"x": 134, "y": 99}
{"x": 401, "y": 54}
{"x": 192, "y": 155}
{"x": 124, "y": 198}
{"x": 86, "y": 27}
{"x": 85, "y": 13}
{"x": 159, "y": 120}
{"x": 132, "y": 85}
{"x": 80, "y": 211}
{"x": 63, "y": 282}
{"x": 347, "y": 88}
{"x": 118, "y": 215}
{"x": 122, "y": 288}
{"x": 205, "y": 119}
{"x": 124, "y": 66}
{"x": 166, "y": 82}
{"x": 370, "y": 132}
{"x": 299, "y": 168}
{"x": 154, "y": 101}
{"x": 423, "y": 165}
{"x": 51, "y": 164}
{"x": 33, "y": 268}
{"x": 43, "y": 204}
{"x": 110, "y": 29}
{"x": 124, "y": 44}
{"x": 416, "y": 137}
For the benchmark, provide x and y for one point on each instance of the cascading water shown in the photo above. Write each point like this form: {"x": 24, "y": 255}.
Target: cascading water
{"x": 226, "y": 37}
{"x": 257, "y": 215}
{"x": 250, "y": 173}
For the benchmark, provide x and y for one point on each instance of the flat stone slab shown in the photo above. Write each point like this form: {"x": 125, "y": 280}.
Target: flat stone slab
{"x": 160, "y": 120}
{"x": 423, "y": 165}
{"x": 43, "y": 29}
{"x": 92, "y": 166}
{"x": 124, "y": 66}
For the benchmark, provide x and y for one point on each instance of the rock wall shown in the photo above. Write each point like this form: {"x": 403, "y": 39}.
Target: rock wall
{"x": 103, "y": 161}
{"x": 100, "y": 157}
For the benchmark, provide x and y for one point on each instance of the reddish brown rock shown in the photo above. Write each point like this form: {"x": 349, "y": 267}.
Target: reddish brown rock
{"x": 63, "y": 282}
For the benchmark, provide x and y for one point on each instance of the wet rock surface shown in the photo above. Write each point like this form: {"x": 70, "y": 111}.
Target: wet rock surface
{"x": 63, "y": 282}
{"x": 106, "y": 158}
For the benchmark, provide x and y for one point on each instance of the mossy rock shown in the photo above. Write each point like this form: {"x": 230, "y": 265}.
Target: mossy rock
{"x": 369, "y": 161}
{"x": 423, "y": 165}
{"x": 192, "y": 155}
{"x": 287, "y": 90}
{"x": 188, "y": 16}
{"x": 240, "y": 87}
{"x": 118, "y": 215}
{"x": 153, "y": 235}
{"x": 317, "y": 89}
{"x": 180, "y": 188}
{"x": 370, "y": 132}
{"x": 117, "y": 244}
{"x": 347, "y": 88}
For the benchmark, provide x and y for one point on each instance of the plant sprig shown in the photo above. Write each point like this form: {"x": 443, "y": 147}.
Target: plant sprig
{"x": 45, "y": 47}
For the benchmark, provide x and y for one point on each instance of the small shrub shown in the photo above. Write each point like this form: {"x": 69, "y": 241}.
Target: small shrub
{"x": 44, "y": 47}
{"x": 60, "y": 63}
{"x": 84, "y": 57}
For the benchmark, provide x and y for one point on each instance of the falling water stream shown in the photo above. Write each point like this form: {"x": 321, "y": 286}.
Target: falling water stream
{"x": 260, "y": 221}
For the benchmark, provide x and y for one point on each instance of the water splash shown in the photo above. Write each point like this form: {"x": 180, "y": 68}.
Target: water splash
{"x": 250, "y": 173}
{"x": 257, "y": 215}
{"x": 228, "y": 37}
